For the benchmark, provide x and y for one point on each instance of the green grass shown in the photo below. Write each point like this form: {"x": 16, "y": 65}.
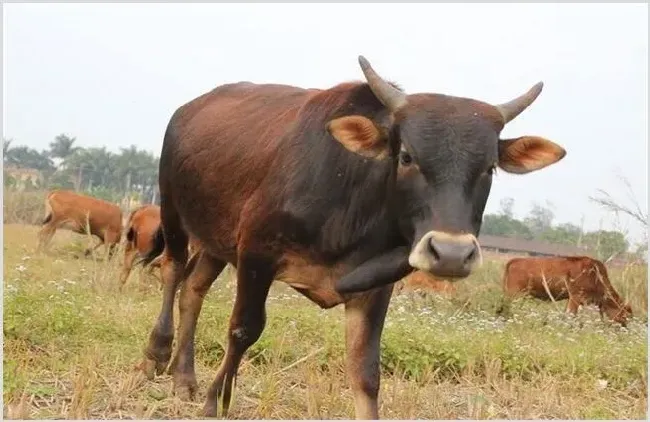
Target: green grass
{"x": 71, "y": 344}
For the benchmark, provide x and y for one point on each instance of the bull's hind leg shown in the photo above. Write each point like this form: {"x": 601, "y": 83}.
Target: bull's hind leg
{"x": 205, "y": 270}
{"x": 365, "y": 316}
{"x": 254, "y": 277}
{"x": 159, "y": 350}
{"x": 129, "y": 257}
{"x": 88, "y": 251}
{"x": 112, "y": 241}
{"x": 45, "y": 235}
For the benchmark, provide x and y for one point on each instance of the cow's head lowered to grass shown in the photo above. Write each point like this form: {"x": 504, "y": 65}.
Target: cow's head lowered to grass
{"x": 446, "y": 150}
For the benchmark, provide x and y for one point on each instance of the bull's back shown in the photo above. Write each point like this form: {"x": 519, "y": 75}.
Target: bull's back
{"x": 236, "y": 119}
{"x": 82, "y": 209}
{"x": 219, "y": 148}
{"x": 539, "y": 276}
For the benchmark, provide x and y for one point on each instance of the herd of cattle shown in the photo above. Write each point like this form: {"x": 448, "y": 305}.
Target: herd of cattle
{"x": 580, "y": 280}
{"x": 340, "y": 193}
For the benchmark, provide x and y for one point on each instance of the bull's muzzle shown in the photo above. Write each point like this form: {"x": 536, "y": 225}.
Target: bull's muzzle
{"x": 446, "y": 255}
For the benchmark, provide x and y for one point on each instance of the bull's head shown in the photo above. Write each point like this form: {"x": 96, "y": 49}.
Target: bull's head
{"x": 616, "y": 311}
{"x": 446, "y": 150}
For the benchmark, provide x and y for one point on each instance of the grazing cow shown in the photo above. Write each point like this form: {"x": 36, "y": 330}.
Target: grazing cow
{"x": 140, "y": 230}
{"x": 580, "y": 279}
{"x": 424, "y": 282}
{"x": 75, "y": 212}
{"x": 337, "y": 192}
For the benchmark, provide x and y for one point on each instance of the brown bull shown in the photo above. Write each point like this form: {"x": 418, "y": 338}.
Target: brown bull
{"x": 581, "y": 280}
{"x": 75, "y": 212}
{"x": 338, "y": 192}
{"x": 421, "y": 281}
{"x": 140, "y": 230}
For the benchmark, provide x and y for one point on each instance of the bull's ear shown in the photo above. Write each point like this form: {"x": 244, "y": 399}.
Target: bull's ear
{"x": 528, "y": 153}
{"x": 359, "y": 135}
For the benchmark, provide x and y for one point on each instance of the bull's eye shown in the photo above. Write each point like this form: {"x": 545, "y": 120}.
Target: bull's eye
{"x": 405, "y": 158}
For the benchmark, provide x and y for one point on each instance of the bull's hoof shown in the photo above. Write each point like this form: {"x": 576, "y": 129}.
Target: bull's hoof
{"x": 210, "y": 408}
{"x": 185, "y": 385}
{"x": 157, "y": 354}
{"x": 185, "y": 392}
{"x": 152, "y": 367}
{"x": 148, "y": 366}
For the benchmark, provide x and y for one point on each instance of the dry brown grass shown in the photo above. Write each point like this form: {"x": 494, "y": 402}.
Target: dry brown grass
{"x": 71, "y": 343}
{"x": 23, "y": 207}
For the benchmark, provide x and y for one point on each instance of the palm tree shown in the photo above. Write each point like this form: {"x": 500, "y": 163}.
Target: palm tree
{"x": 26, "y": 157}
{"x": 80, "y": 162}
{"x": 103, "y": 165}
{"x": 62, "y": 148}
{"x": 131, "y": 163}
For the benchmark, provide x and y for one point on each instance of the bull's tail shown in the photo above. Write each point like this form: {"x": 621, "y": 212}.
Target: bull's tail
{"x": 47, "y": 219}
{"x": 131, "y": 237}
{"x": 158, "y": 242}
{"x": 503, "y": 307}
{"x": 505, "y": 276}
{"x": 48, "y": 211}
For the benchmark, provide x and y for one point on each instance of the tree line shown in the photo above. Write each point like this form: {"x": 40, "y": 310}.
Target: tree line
{"x": 97, "y": 171}
{"x": 134, "y": 172}
{"x": 538, "y": 224}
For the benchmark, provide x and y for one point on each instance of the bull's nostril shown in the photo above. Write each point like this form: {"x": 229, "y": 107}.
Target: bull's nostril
{"x": 433, "y": 251}
{"x": 470, "y": 257}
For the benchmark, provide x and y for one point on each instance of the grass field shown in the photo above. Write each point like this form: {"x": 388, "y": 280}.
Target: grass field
{"x": 71, "y": 342}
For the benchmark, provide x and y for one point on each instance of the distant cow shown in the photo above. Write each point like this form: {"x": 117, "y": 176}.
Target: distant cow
{"x": 424, "y": 282}
{"x": 140, "y": 230}
{"x": 338, "y": 192}
{"x": 75, "y": 212}
{"x": 581, "y": 280}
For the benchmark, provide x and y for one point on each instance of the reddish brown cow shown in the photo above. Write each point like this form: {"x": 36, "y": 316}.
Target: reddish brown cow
{"x": 581, "y": 280}
{"x": 338, "y": 192}
{"x": 421, "y": 281}
{"x": 140, "y": 230}
{"x": 75, "y": 212}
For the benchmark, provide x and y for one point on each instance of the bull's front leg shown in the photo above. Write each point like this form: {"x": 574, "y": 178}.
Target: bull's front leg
{"x": 88, "y": 251}
{"x": 365, "y": 315}
{"x": 377, "y": 272}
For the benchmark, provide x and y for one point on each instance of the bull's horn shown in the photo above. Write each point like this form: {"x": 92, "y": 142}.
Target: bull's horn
{"x": 389, "y": 96}
{"x": 513, "y": 108}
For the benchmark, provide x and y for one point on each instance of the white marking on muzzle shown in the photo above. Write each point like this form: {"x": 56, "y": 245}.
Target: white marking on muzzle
{"x": 420, "y": 256}
{"x": 478, "y": 250}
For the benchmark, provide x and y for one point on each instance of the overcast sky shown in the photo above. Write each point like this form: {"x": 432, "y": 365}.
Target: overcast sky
{"x": 113, "y": 75}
